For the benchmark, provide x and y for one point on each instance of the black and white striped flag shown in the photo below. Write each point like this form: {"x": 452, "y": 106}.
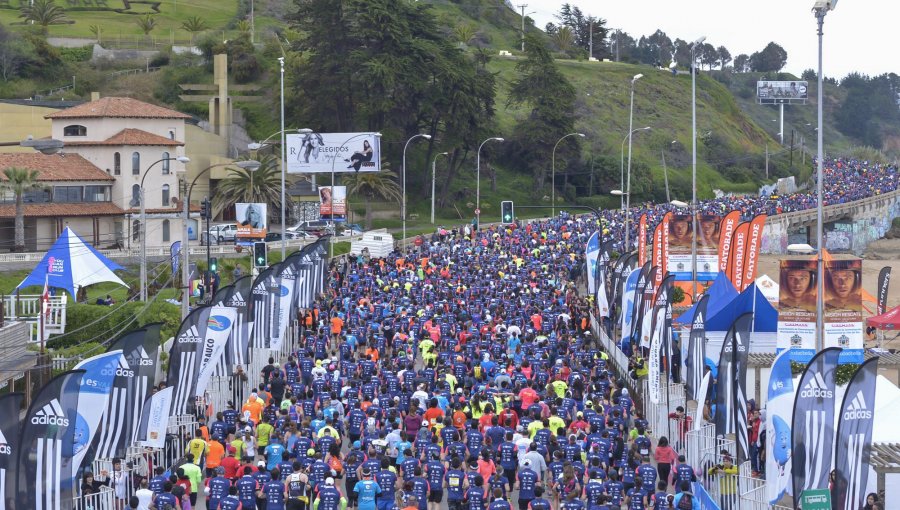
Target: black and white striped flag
{"x": 10, "y": 428}
{"x": 184, "y": 358}
{"x": 696, "y": 353}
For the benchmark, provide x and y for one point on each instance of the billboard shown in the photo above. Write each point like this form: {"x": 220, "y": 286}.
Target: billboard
{"x": 679, "y": 249}
{"x": 333, "y": 203}
{"x": 843, "y": 308}
{"x": 781, "y": 92}
{"x": 251, "y": 220}
{"x": 797, "y": 309}
{"x": 311, "y": 153}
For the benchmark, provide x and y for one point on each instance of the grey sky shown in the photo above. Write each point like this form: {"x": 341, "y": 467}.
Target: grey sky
{"x": 859, "y": 35}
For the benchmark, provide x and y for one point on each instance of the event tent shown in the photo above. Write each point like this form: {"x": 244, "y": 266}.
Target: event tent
{"x": 71, "y": 264}
{"x": 765, "y": 319}
{"x": 720, "y": 293}
{"x": 887, "y": 320}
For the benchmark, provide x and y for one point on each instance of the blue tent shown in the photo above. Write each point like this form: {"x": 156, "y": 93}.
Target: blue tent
{"x": 765, "y": 320}
{"x": 721, "y": 292}
{"x": 71, "y": 264}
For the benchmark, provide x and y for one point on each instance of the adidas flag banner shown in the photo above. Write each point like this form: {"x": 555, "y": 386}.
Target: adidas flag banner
{"x": 638, "y": 306}
{"x": 884, "y": 281}
{"x": 212, "y": 349}
{"x": 699, "y": 421}
{"x": 812, "y": 425}
{"x": 287, "y": 279}
{"x": 262, "y": 307}
{"x": 696, "y": 353}
{"x": 731, "y": 389}
{"x": 45, "y": 476}
{"x": 591, "y": 256}
{"x": 221, "y": 369}
{"x": 184, "y": 358}
{"x": 155, "y": 418}
{"x": 10, "y": 426}
{"x": 615, "y": 282}
{"x": 221, "y": 294}
{"x": 854, "y": 439}
{"x": 779, "y": 404}
{"x": 238, "y": 343}
{"x": 602, "y": 276}
{"x": 627, "y": 312}
{"x": 93, "y": 396}
{"x": 660, "y": 338}
{"x": 646, "y": 315}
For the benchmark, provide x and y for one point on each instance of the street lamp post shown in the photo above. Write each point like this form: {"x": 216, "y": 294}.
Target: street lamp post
{"x": 403, "y": 205}
{"x": 820, "y": 9}
{"x": 433, "y": 180}
{"x": 478, "y": 179}
{"x": 180, "y": 159}
{"x": 44, "y": 146}
{"x": 694, "y": 45}
{"x": 553, "y": 172}
{"x": 622, "y": 169}
{"x": 628, "y": 184}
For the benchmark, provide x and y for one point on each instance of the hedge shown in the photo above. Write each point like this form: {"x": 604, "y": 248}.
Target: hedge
{"x": 102, "y": 329}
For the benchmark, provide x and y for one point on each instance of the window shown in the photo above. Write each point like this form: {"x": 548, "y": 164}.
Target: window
{"x": 165, "y": 195}
{"x": 74, "y": 130}
{"x": 117, "y": 163}
{"x": 171, "y": 134}
{"x": 135, "y": 163}
{"x": 97, "y": 194}
{"x": 165, "y": 229}
{"x": 135, "y": 195}
{"x": 165, "y": 163}
{"x": 135, "y": 230}
{"x": 67, "y": 194}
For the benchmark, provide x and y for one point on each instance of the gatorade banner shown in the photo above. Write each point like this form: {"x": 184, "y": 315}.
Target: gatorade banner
{"x": 884, "y": 281}
{"x": 726, "y": 234}
{"x": 843, "y": 308}
{"x": 797, "y": 309}
{"x": 854, "y": 439}
{"x": 738, "y": 252}
{"x": 754, "y": 243}
{"x": 660, "y": 248}
{"x": 642, "y": 240}
{"x": 779, "y": 406}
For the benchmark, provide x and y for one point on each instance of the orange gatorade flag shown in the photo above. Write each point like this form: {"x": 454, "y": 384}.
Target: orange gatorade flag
{"x": 726, "y": 237}
{"x": 754, "y": 244}
{"x": 642, "y": 240}
{"x": 738, "y": 252}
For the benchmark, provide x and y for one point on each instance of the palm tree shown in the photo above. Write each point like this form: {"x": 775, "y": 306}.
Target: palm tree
{"x": 43, "y": 13}
{"x": 20, "y": 180}
{"x": 564, "y": 39}
{"x": 464, "y": 33}
{"x": 241, "y": 185}
{"x": 372, "y": 185}
{"x": 146, "y": 23}
{"x": 243, "y": 26}
{"x": 194, "y": 25}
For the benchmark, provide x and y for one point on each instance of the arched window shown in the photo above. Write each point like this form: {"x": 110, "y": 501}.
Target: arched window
{"x": 135, "y": 230}
{"x": 165, "y": 231}
{"x": 165, "y": 163}
{"x": 136, "y": 195}
{"x": 117, "y": 163}
{"x": 165, "y": 195}
{"x": 136, "y": 163}
{"x": 74, "y": 130}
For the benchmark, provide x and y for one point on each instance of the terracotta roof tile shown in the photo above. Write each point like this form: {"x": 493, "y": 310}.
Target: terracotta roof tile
{"x": 54, "y": 167}
{"x": 63, "y": 210}
{"x": 122, "y": 107}
{"x": 129, "y": 136}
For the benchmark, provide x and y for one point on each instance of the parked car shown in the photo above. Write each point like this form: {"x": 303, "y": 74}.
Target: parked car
{"x": 219, "y": 234}
{"x": 316, "y": 227}
{"x": 350, "y": 229}
{"x": 277, "y": 236}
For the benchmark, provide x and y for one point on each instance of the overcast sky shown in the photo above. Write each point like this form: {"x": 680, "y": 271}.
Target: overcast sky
{"x": 860, "y": 35}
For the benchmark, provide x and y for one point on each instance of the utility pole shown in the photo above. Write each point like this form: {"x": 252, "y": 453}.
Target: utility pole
{"x": 792, "y": 148}
{"x": 591, "y": 43}
{"x": 618, "y": 32}
{"x": 523, "y": 6}
{"x": 767, "y": 160}
{"x": 802, "y": 152}
{"x": 665, "y": 175}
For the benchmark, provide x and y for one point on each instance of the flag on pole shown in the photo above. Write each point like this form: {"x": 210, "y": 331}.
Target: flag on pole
{"x": 696, "y": 354}
{"x": 854, "y": 439}
{"x": 779, "y": 405}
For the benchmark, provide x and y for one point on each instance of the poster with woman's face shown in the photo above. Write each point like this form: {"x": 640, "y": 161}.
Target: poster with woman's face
{"x": 251, "y": 220}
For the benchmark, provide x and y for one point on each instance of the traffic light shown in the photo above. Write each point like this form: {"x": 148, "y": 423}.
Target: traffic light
{"x": 205, "y": 210}
{"x": 214, "y": 265}
{"x": 260, "y": 254}
{"x": 507, "y": 214}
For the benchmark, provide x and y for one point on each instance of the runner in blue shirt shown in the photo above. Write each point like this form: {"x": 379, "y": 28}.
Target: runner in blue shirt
{"x": 528, "y": 480}
{"x": 247, "y": 487}
{"x": 274, "y": 492}
{"x": 367, "y": 489}
{"x": 229, "y": 502}
{"x": 274, "y": 453}
{"x": 216, "y": 488}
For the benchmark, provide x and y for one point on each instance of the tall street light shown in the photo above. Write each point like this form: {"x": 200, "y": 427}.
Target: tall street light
{"x": 434, "y": 180}
{"x": 43, "y": 145}
{"x": 820, "y": 9}
{"x": 249, "y": 165}
{"x": 628, "y": 184}
{"x": 180, "y": 159}
{"x": 478, "y": 179}
{"x": 403, "y": 205}
{"x": 622, "y": 164}
{"x": 553, "y": 172}
{"x": 694, "y": 46}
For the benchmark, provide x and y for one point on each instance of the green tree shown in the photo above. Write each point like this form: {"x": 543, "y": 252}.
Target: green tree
{"x": 741, "y": 63}
{"x": 373, "y": 185}
{"x": 655, "y": 49}
{"x": 194, "y": 25}
{"x": 146, "y": 23}
{"x": 43, "y": 13}
{"x": 564, "y": 39}
{"x": 772, "y": 58}
{"x": 18, "y": 181}
{"x": 464, "y": 33}
{"x": 243, "y": 26}
{"x": 242, "y": 185}
{"x": 724, "y": 56}
{"x": 551, "y": 99}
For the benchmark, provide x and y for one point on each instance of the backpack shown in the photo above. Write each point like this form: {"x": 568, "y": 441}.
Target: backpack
{"x": 686, "y": 502}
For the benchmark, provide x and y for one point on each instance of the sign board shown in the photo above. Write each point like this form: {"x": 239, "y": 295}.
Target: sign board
{"x": 333, "y": 203}
{"x": 311, "y": 153}
{"x": 781, "y": 92}
{"x": 251, "y": 220}
{"x": 815, "y": 499}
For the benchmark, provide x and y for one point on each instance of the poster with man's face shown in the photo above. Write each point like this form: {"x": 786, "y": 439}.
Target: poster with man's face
{"x": 843, "y": 308}
{"x": 797, "y": 309}
{"x": 251, "y": 220}
{"x": 679, "y": 251}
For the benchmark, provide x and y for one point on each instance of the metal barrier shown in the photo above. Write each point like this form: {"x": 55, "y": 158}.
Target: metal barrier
{"x": 657, "y": 415}
{"x": 105, "y": 499}
{"x": 122, "y": 485}
{"x": 178, "y": 434}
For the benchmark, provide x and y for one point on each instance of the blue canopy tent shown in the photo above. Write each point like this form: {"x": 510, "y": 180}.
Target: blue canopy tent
{"x": 721, "y": 293}
{"x": 71, "y": 264}
{"x": 764, "y": 321}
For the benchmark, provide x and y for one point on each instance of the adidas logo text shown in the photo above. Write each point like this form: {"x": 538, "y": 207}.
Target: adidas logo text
{"x": 816, "y": 388}
{"x": 50, "y": 414}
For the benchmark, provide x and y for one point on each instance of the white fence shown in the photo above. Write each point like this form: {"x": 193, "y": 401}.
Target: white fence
{"x": 27, "y": 308}
{"x": 104, "y": 499}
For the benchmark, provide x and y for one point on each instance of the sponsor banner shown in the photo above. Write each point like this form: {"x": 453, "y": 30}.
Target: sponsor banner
{"x": 333, "y": 203}
{"x": 46, "y": 476}
{"x": 212, "y": 350}
{"x": 843, "y": 308}
{"x": 628, "y": 302}
{"x": 155, "y": 418}
{"x": 812, "y": 424}
{"x": 779, "y": 406}
{"x": 703, "y": 392}
{"x": 236, "y": 351}
{"x": 175, "y": 256}
{"x": 660, "y": 338}
{"x": 262, "y": 308}
{"x": 637, "y": 312}
{"x": 252, "y": 220}
{"x": 731, "y": 390}
{"x": 624, "y": 265}
{"x": 738, "y": 252}
{"x": 797, "y": 309}
{"x": 660, "y": 243}
{"x": 754, "y": 244}
{"x": 287, "y": 280}
{"x": 591, "y": 254}
{"x": 93, "y": 396}
{"x": 781, "y": 92}
{"x": 646, "y": 316}
{"x": 311, "y": 153}
{"x": 10, "y": 428}
{"x": 602, "y": 279}
{"x": 642, "y": 240}
{"x": 726, "y": 235}
{"x": 184, "y": 358}
{"x": 696, "y": 354}
{"x": 854, "y": 439}
{"x": 884, "y": 281}
{"x": 679, "y": 250}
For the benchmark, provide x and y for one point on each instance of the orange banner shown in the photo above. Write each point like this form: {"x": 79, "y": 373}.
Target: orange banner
{"x": 754, "y": 243}
{"x": 738, "y": 252}
{"x": 662, "y": 258}
{"x": 659, "y": 256}
{"x": 726, "y": 232}
{"x": 642, "y": 240}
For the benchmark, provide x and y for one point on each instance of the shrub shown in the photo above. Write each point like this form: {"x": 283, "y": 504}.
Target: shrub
{"x": 95, "y": 323}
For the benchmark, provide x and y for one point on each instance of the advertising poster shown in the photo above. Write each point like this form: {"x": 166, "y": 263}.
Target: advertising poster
{"x": 679, "y": 251}
{"x": 251, "y": 220}
{"x": 797, "y": 309}
{"x": 781, "y": 92}
{"x": 843, "y": 308}
{"x": 310, "y": 153}
{"x": 333, "y": 203}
